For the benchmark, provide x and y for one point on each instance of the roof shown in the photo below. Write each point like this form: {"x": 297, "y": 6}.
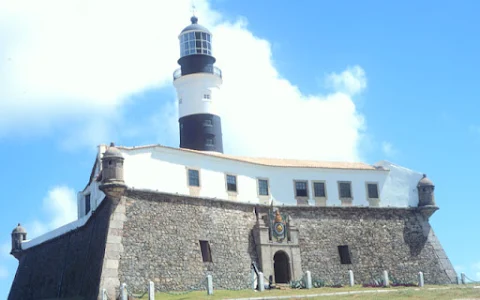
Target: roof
{"x": 272, "y": 162}
{"x": 195, "y": 26}
{"x": 112, "y": 151}
{"x": 19, "y": 229}
{"x": 425, "y": 181}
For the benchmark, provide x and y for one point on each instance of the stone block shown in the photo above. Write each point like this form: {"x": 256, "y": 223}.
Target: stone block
{"x": 114, "y": 239}
{"x": 116, "y": 224}
{"x": 111, "y": 264}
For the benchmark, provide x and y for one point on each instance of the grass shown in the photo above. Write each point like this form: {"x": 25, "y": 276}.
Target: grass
{"x": 413, "y": 293}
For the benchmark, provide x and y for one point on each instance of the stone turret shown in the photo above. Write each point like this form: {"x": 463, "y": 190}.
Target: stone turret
{"x": 425, "y": 189}
{"x": 113, "y": 184}
{"x": 19, "y": 234}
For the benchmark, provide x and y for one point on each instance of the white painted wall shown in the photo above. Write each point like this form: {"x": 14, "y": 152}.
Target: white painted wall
{"x": 400, "y": 186}
{"x": 165, "y": 170}
{"x": 191, "y": 89}
{"x": 96, "y": 195}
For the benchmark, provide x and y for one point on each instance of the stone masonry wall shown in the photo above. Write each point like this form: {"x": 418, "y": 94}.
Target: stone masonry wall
{"x": 154, "y": 236}
{"x": 67, "y": 266}
{"x": 398, "y": 240}
{"x": 161, "y": 236}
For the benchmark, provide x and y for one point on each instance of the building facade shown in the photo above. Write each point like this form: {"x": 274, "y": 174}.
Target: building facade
{"x": 174, "y": 215}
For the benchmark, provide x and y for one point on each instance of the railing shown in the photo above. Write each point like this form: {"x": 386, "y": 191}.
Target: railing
{"x": 217, "y": 71}
{"x": 213, "y": 70}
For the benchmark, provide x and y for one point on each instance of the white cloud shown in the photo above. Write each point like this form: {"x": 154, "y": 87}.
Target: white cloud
{"x": 351, "y": 81}
{"x": 389, "y": 150}
{"x": 265, "y": 115}
{"x": 3, "y": 272}
{"x": 76, "y": 63}
{"x": 59, "y": 207}
{"x": 62, "y": 60}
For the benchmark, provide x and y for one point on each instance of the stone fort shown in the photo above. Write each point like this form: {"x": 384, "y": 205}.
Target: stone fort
{"x": 175, "y": 215}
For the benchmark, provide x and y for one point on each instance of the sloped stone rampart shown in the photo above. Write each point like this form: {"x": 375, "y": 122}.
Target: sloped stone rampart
{"x": 67, "y": 266}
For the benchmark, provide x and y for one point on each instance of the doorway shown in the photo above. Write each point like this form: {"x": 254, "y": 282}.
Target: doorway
{"x": 281, "y": 266}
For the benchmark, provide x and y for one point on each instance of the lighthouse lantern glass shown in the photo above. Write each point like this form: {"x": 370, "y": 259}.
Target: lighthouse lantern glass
{"x": 195, "y": 42}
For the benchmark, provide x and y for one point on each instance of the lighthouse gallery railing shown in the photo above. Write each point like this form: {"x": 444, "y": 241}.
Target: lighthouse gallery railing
{"x": 214, "y": 70}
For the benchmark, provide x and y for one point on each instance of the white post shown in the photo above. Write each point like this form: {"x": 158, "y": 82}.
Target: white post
{"x": 261, "y": 285}
{"x": 123, "y": 292}
{"x": 386, "y": 282}
{"x": 209, "y": 285}
{"x": 104, "y": 294}
{"x": 458, "y": 279}
{"x": 309, "y": 280}
{"x": 254, "y": 279}
{"x": 420, "y": 279}
{"x": 351, "y": 279}
{"x": 463, "y": 278}
{"x": 151, "y": 291}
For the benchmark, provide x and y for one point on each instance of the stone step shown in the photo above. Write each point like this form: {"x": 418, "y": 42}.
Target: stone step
{"x": 283, "y": 286}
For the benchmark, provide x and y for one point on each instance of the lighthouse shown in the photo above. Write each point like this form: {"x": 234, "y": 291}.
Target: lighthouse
{"x": 198, "y": 82}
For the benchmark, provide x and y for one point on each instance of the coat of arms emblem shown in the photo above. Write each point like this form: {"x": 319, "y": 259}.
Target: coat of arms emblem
{"x": 278, "y": 225}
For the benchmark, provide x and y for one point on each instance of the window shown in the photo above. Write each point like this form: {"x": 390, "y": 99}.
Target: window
{"x": 206, "y": 96}
{"x": 231, "y": 183}
{"x": 319, "y": 189}
{"x": 195, "y": 42}
{"x": 193, "y": 178}
{"x": 344, "y": 255}
{"x": 263, "y": 187}
{"x": 372, "y": 190}
{"x": 206, "y": 253}
{"x": 207, "y": 123}
{"x": 87, "y": 203}
{"x": 301, "y": 189}
{"x": 209, "y": 142}
{"x": 345, "y": 189}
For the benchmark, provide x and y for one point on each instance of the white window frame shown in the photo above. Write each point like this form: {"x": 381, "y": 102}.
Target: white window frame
{"x": 268, "y": 187}
{"x": 236, "y": 183}
{"x": 188, "y": 178}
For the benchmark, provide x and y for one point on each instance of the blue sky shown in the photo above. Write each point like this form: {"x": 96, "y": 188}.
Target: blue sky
{"x": 342, "y": 80}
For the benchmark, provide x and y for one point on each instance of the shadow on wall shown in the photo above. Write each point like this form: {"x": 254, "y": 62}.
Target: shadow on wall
{"x": 415, "y": 235}
{"x": 252, "y": 248}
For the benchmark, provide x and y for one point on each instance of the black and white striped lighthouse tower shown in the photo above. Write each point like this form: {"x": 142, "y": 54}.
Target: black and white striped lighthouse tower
{"x": 198, "y": 82}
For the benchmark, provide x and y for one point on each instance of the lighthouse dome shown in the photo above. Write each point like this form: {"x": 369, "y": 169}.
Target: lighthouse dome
{"x": 195, "y": 26}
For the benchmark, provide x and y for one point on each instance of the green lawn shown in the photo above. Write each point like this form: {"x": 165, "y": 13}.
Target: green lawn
{"x": 428, "y": 292}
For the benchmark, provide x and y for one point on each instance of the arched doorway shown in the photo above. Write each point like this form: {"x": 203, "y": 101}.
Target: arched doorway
{"x": 281, "y": 267}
